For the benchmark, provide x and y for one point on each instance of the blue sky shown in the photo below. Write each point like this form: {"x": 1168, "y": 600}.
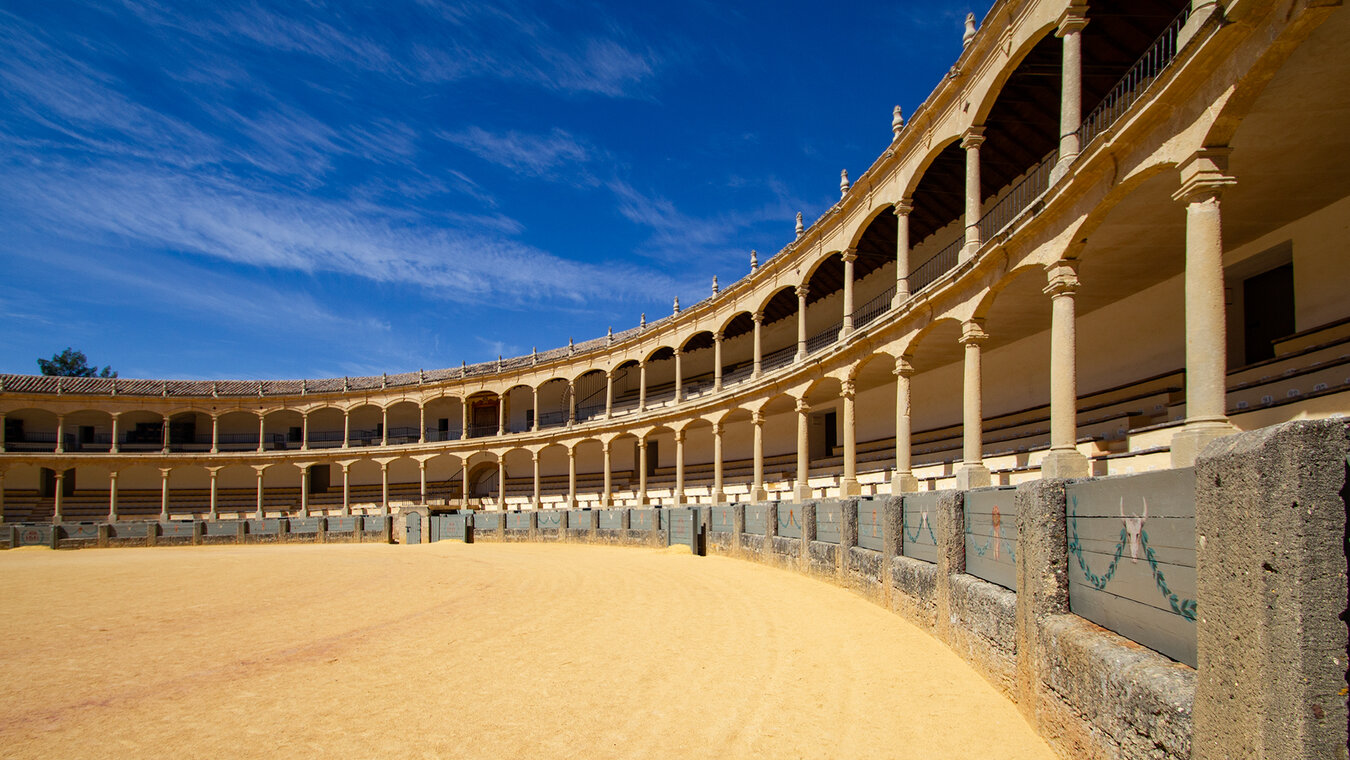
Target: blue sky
{"x": 312, "y": 189}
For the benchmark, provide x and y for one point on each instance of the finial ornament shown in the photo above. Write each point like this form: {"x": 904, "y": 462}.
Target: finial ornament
{"x": 609, "y": 337}
{"x": 534, "y": 355}
{"x": 970, "y": 30}
{"x": 897, "y": 122}
{"x": 499, "y": 362}
{"x": 643, "y": 323}
{"x": 715, "y": 288}
{"x": 800, "y": 228}
{"x": 677, "y": 304}
{"x": 571, "y": 347}
{"x": 843, "y": 183}
{"x": 754, "y": 255}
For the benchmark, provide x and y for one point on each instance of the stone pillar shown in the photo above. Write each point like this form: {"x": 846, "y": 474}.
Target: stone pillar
{"x": 421, "y": 422}
{"x": 802, "y": 292}
{"x": 642, "y": 470}
{"x": 679, "y": 467}
{"x": 902, "y": 209}
{"x": 607, "y": 498}
{"x": 534, "y": 456}
{"x": 903, "y": 479}
{"x": 1070, "y": 30}
{"x": 260, "y": 511}
{"x": 1203, "y": 179}
{"x": 304, "y": 490}
{"x": 802, "y": 490}
{"x": 501, "y": 482}
{"x": 971, "y": 142}
{"x": 501, "y": 414}
{"x": 112, "y": 496}
{"x": 384, "y": 427}
{"x": 535, "y": 391}
{"x": 950, "y": 532}
{"x": 718, "y": 496}
{"x": 609, "y": 394}
{"x": 384, "y": 488}
{"x": 262, "y": 431}
{"x": 304, "y": 431}
{"x": 642, "y": 385}
{"x": 848, "y": 486}
{"x": 464, "y": 418}
{"x": 61, "y": 435}
{"x": 214, "y": 513}
{"x": 1270, "y": 525}
{"x": 114, "y": 448}
{"x": 346, "y": 488}
{"x": 848, "y": 257}
{"x": 572, "y": 477}
{"x": 758, "y": 318}
{"x": 972, "y": 473}
{"x": 1042, "y": 590}
{"x": 679, "y": 372}
{"x": 1063, "y": 460}
{"x": 757, "y": 490}
{"x": 717, "y": 360}
{"x": 60, "y": 493}
{"x": 163, "y": 492}
{"x": 464, "y": 484}
{"x": 165, "y": 431}
{"x": 346, "y": 428}
{"x": 422, "y": 480}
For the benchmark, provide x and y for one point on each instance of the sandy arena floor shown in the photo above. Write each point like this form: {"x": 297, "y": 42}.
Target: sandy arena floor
{"x": 483, "y": 651}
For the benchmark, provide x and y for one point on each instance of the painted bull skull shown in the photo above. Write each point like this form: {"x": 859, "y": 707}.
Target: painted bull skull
{"x": 1134, "y": 525}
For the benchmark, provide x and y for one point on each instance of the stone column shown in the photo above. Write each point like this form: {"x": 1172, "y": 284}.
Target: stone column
{"x": 346, "y": 488}
{"x": 163, "y": 492}
{"x": 679, "y": 372}
{"x": 421, "y": 422}
{"x": 464, "y": 484}
{"x": 535, "y": 427}
{"x": 717, "y": 360}
{"x": 464, "y": 419}
{"x": 260, "y": 470}
{"x": 61, "y": 435}
{"x": 802, "y": 491}
{"x": 112, "y": 495}
{"x": 903, "y": 479}
{"x": 60, "y": 493}
{"x": 304, "y": 490}
{"x": 757, "y": 490}
{"x": 534, "y": 456}
{"x": 802, "y": 292}
{"x": 717, "y": 495}
{"x": 679, "y": 467}
{"x": 2, "y": 432}
{"x": 758, "y": 318}
{"x": 848, "y": 486}
{"x": 166, "y": 430}
{"x": 501, "y": 482}
{"x": 215, "y": 434}
{"x": 607, "y": 499}
{"x": 501, "y": 414}
{"x": 262, "y": 431}
{"x": 1203, "y": 179}
{"x": 384, "y": 427}
{"x": 384, "y": 488}
{"x": 642, "y": 470}
{"x": 609, "y": 394}
{"x": 971, "y": 142}
{"x": 114, "y": 448}
{"x": 346, "y": 428}
{"x": 304, "y": 431}
{"x": 214, "y": 513}
{"x": 848, "y": 257}
{"x": 903, "y": 207}
{"x": 972, "y": 473}
{"x": 1070, "y": 30}
{"x": 1063, "y": 460}
{"x": 642, "y": 385}
{"x": 572, "y": 477}
{"x": 422, "y": 479}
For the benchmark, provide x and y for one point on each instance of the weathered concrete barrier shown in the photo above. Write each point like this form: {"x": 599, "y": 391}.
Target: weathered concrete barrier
{"x": 353, "y": 528}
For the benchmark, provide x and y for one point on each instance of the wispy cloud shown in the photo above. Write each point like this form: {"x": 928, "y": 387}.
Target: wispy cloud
{"x": 534, "y": 155}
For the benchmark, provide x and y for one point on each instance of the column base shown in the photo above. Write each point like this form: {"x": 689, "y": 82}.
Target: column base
{"x": 1193, "y": 437}
{"x": 1061, "y": 168}
{"x": 801, "y": 493}
{"x": 849, "y": 487}
{"x": 899, "y": 299}
{"x": 758, "y": 493}
{"x": 719, "y": 497}
{"x": 970, "y": 476}
{"x": 1202, "y": 12}
{"x": 1064, "y": 463}
{"x": 968, "y": 252}
{"x": 904, "y": 482}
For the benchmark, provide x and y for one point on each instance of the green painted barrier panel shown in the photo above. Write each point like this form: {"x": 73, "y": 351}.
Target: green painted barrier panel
{"x": 305, "y": 524}
{"x": 683, "y": 528}
{"x": 219, "y": 528}
{"x": 517, "y": 521}
{"x": 344, "y": 524}
{"x": 268, "y": 527}
{"x": 611, "y": 519}
{"x": 1132, "y": 558}
{"x": 35, "y": 535}
{"x": 176, "y": 529}
{"x": 128, "y": 529}
{"x": 756, "y": 518}
{"x": 579, "y": 519}
{"x": 870, "y": 524}
{"x": 664, "y": 514}
{"x": 829, "y": 521}
{"x": 991, "y": 535}
{"x": 641, "y": 519}
{"x": 919, "y": 518}
{"x": 454, "y": 527}
{"x": 486, "y": 520}
{"x": 82, "y": 531}
{"x": 550, "y": 519}
{"x": 723, "y": 520}
{"x": 789, "y": 519}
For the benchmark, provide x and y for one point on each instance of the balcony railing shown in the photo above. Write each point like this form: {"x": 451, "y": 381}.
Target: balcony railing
{"x": 825, "y": 338}
{"x": 780, "y": 358}
{"x": 1135, "y": 82}
{"x": 1032, "y": 186}
{"x": 873, "y": 308}
{"x": 936, "y": 266}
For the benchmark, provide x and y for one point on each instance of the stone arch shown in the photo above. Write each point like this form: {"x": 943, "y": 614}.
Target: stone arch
{"x": 1034, "y": 37}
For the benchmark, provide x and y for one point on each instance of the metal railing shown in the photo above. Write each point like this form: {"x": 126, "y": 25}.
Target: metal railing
{"x": 482, "y": 431}
{"x": 780, "y": 358}
{"x": 873, "y": 308}
{"x": 827, "y": 337}
{"x": 925, "y": 273}
{"x": 588, "y": 411}
{"x": 1134, "y": 83}
{"x": 552, "y": 419}
{"x": 738, "y": 374}
{"x": 1032, "y": 186}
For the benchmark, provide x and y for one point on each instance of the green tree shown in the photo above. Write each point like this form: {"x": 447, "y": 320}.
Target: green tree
{"x": 72, "y": 363}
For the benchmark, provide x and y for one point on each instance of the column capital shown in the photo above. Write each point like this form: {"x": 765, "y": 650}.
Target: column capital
{"x": 757, "y": 317}
{"x": 679, "y": 435}
{"x": 972, "y": 138}
{"x": 972, "y": 333}
{"x": 757, "y": 417}
{"x": 604, "y": 447}
{"x": 534, "y": 456}
{"x": 1204, "y": 175}
{"x": 1072, "y": 20}
{"x": 112, "y": 474}
{"x": 903, "y": 207}
{"x": 717, "y": 428}
{"x": 1061, "y": 278}
{"x": 802, "y": 291}
{"x": 847, "y": 389}
{"x": 718, "y": 336}
{"x": 903, "y": 368}
{"x": 802, "y": 406}
{"x": 849, "y": 255}
{"x": 677, "y": 352}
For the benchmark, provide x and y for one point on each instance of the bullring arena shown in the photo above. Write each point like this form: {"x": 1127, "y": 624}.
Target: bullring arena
{"x": 1053, "y": 396}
